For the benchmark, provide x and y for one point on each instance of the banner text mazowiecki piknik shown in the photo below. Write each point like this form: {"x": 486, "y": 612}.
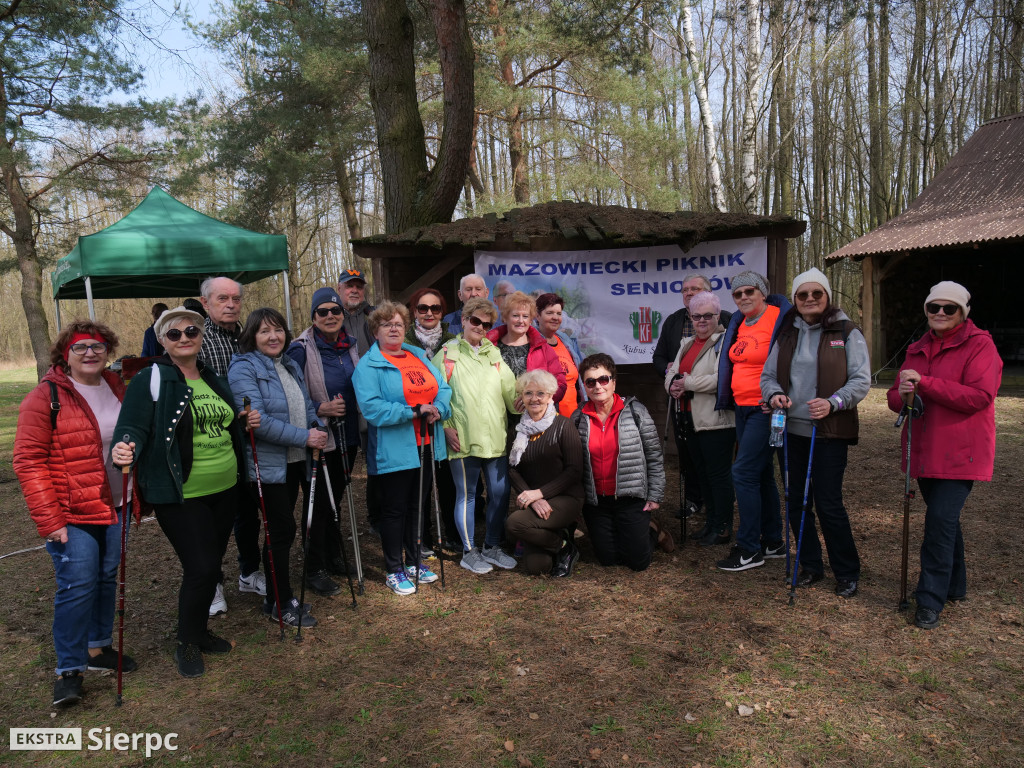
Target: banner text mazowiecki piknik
{"x": 616, "y": 301}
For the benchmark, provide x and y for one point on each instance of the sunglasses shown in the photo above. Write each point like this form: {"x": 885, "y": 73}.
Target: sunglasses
{"x": 424, "y": 308}
{"x": 477, "y": 322}
{"x": 174, "y": 334}
{"x": 325, "y": 311}
{"x": 745, "y": 292}
{"x": 602, "y": 380}
{"x": 705, "y": 317}
{"x": 97, "y": 348}
{"x": 934, "y": 309}
{"x": 804, "y": 295}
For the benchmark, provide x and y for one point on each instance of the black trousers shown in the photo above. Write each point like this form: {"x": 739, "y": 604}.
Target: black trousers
{"x": 400, "y": 498}
{"x": 280, "y": 499}
{"x": 325, "y": 538}
{"x": 620, "y": 531}
{"x": 199, "y": 530}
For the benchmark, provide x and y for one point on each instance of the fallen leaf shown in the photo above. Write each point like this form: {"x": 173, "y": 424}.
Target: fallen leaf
{"x": 534, "y": 716}
{"x": 689, "y": 718}
{"x": 744, "y": 710}
{"x": 595, "y": 753}
{"x": 510, "y": 746}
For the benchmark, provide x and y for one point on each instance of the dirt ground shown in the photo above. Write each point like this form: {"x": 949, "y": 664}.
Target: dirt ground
{"x": 606, "y": 668}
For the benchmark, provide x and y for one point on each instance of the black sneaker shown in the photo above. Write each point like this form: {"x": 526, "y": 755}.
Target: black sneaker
{"x": 713, "y": 539}
{"x": 189, "y": 658}
{"x": 67, "y": 689}
{"x": 107, "y": 661}
{"x": 926, "y": 618}
{"x": 291, "y": 615}
{"x": 846, "y": 587}
{"x": 807, "y": 578}
{"x": 214, "y": 644}
{"x": 741, "y": 560}
{"x": 322, "y": 584}
{"x": 774, "y": 550}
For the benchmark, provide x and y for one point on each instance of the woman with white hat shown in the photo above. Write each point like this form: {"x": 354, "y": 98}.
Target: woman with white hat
{"x": 956, "y": 372}
{"x": 818, "y": 370}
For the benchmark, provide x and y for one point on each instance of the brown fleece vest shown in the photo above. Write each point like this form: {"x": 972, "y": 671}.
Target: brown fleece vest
{"x": 839, "y": 425}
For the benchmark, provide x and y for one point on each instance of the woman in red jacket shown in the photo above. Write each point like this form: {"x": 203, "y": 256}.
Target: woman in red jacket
{"x": 523, "y": 347}
{"x": 956, "y": 372}
{"x": 73, "y": 492}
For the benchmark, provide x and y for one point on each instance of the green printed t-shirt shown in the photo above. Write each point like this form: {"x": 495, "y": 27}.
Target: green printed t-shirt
{"x": 214, "y": 467}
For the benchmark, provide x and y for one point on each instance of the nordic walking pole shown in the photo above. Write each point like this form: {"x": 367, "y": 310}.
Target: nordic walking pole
{"x": 337, "y": 522}
{"x": 351, "y": 508}
{"x": 785, "y": 490}
{"x": 305, "y": 543}
{"x": 908, "y": 414}
{"x": 126, "y": 521}
{"x": 419, "y": 503}
{"x": 247, "y": 405}
{"x": 803, "y": 513}
{"x": 437, "y": 511}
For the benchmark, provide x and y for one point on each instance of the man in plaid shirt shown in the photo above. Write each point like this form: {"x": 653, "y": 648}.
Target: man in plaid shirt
{"x": 222, "y": 298}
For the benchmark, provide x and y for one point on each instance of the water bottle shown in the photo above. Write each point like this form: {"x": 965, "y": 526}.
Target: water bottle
{"x": 778, "y": 427}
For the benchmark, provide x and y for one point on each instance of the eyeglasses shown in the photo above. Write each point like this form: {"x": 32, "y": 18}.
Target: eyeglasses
{"x": 744, "y": 292}
{"x": 424, "y": 308}
{"x": 478, "y": 323}
{"x": 97, "y": 348}
{"x": 174, "y": 334}
{"x": 602, "y": 380}
{"x": 325, "y": 311}
{"x": 804, "y": 295}
{"x": 392, "y": 326}
{"x": 934, "y": 309}
{"x": 705, "y": 317}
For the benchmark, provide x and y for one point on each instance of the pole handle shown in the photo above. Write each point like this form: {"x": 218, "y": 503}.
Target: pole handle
{"x": 127, "y": 468}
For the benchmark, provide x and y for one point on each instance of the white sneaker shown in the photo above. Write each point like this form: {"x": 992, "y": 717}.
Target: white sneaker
{"x": 219, "y": 604}
{"x": 254, "y": 582}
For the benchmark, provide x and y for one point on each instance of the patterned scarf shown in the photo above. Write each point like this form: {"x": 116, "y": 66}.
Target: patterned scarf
{"x": 430, "y": 340}
{"x": 525, "y": 429}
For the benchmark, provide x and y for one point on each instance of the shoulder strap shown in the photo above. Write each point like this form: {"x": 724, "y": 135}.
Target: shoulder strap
{"x": 636, "y": 418}
{"x": 154, "y": 383}
{"x": 54, "y": 404}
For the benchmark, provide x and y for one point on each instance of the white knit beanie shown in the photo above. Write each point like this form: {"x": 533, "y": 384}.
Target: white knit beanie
{"x": 947, "y": 290}
{"x": 812, "y": 275}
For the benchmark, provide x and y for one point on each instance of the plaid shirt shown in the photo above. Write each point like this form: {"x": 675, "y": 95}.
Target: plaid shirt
{"x": 218, "y": 346}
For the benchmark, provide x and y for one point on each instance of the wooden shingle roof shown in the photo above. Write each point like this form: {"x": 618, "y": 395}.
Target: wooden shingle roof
{"x": 977, "y": 198}
{"x": 582, "y": 225}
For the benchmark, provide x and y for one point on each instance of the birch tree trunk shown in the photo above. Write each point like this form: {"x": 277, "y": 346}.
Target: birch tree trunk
{"x": 706, "y": 120}
{"x": 752, "y": 104}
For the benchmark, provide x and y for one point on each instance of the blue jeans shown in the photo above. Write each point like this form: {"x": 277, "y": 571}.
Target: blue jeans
{"x": 465, "y": 473}
{"x": 753, "y": 477}
{"x": 83, "y": 607}
{"x": 943, "y": 572}
{"x": 828, "y": 466}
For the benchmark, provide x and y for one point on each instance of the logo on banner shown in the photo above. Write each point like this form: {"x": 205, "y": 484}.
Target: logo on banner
{"x": 645, "y": 324}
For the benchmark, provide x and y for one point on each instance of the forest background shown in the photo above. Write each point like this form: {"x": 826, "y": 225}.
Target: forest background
{"x": 345, "y": 119}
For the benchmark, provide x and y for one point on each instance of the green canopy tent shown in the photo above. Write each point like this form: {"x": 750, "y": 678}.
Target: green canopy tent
{"x": 164, "y": 248}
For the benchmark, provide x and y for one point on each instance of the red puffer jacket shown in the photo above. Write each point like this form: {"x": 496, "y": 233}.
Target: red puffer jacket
{"x": 62, "y": 471}
{"x": 541, "y": 355}
{"x": 955, "y": 438}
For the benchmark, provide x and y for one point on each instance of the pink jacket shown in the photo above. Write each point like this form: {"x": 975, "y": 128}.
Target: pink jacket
{"x": 955, "y": 439}
{"x": 541, "y": 355}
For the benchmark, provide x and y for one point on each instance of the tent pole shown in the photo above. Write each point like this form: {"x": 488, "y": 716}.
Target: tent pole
{"x": 56, "y": 303}
{"x": 287, "y": 299}
{"x": 88, "y": 298}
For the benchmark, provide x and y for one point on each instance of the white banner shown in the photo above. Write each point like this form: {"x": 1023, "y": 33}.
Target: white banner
{"x": 617, "y": 300}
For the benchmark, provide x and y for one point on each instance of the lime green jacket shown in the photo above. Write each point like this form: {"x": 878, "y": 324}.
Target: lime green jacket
{"x": 483, "y": 393}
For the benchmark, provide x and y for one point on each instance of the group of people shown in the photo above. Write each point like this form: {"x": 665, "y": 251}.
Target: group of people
{"x": 492, "y": 414}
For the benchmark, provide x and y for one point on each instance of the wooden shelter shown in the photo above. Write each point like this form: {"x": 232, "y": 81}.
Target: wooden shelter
{"x": 968, "y": 226}
{"x": 440, "y": 254}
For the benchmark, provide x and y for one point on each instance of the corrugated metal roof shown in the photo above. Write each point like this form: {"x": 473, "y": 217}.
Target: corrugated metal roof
{"x": 977, "y": 198}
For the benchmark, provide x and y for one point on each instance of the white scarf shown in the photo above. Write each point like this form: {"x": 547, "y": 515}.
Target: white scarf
{"x": 525, "y": 429}
{"x": 429, "y": 339}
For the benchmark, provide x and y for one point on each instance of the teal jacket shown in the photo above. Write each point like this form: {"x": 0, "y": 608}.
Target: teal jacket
{"x": 391, "y": 443}
{"x": 483, "y": 393}
{"x": 160, "y": 425}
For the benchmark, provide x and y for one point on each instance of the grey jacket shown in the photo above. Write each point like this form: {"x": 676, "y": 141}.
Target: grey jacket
{"x": 640, "y": 472}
